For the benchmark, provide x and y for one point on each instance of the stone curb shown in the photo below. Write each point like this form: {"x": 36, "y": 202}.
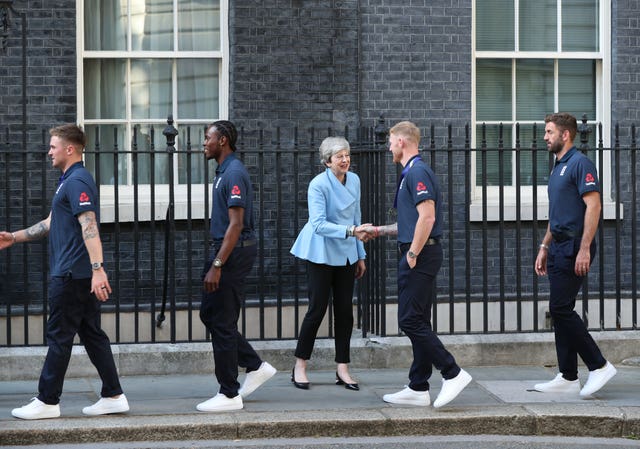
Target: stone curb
{"x": 505, "y": 420}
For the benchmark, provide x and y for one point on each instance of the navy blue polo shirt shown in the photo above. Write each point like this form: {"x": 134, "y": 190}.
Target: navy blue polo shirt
{"x": 231, "y": 188}
{"x": 76, "y": 193}
{"x": 572, "y": 176}
{"x": 419, "y": 184}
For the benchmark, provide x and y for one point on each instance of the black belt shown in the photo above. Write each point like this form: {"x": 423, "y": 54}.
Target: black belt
{"x": 240, "y": 244}
{"x": 402, "y": 247}
{"x": 564, "y": 236}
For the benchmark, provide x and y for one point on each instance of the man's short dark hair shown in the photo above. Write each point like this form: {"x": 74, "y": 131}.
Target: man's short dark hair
{"x": 227, "y": 129}
{"x": 563, "y": 120}
{"x": 70, "y": 133}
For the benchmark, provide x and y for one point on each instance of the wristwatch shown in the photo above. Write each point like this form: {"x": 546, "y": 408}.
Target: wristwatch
{"x": 412, "y": 255}
{"x": 96, "y": 265}
{"x": 217, "y": 263}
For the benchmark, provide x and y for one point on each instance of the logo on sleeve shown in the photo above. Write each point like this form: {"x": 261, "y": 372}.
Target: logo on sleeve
{"x": 421, "y": 189}
{"x": 84, "y": 199}
{"x": 589, "y": 180}
{"x": 235, "y": 192}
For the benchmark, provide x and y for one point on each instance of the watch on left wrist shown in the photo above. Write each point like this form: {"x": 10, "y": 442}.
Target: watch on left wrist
{"x": 96, "y": 265}
{"x": 217, "y": 262}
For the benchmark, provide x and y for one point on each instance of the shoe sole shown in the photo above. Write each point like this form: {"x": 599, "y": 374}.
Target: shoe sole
{"x": 406, "y": 402}
{"x": 221, "y": 409}
{"x": 107, "y": 412}
{"x": 50, "y": 416}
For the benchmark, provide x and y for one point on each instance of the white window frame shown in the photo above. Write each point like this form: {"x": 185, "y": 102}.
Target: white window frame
{"x": 126, "y": 192}
{"x": 603, "y": 111}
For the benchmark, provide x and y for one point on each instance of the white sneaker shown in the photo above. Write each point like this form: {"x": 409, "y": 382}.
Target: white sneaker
{"x": 106, "y": 406}
{"x": 256, "y": 378}
{"x": 408, "y": 397}
{"x": 597, "y": 379}
{"x": 452, "y": 388}
{"x": 559, "y": 385}
{"x": 36, "y": 409}
{"x": 221, "y": 403}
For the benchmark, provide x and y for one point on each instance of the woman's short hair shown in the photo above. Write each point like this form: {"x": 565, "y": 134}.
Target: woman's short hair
{"x": 331, "y": 146}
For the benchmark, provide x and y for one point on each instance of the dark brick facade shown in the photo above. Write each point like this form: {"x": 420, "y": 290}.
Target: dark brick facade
{"x": 294, "y": 64}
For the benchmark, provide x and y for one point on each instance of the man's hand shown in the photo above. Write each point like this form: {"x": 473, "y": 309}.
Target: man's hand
{"x": 212, "y": 279}
{"x": 583, "y": 262}
{"x": 365, "y": 232}
{"x": 541, "y": 262}
{"x": 6, "y": 240}
{"x": 100, "y": 285}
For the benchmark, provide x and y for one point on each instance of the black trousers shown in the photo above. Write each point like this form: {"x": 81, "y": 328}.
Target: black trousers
{"x": 74, "y": 310}
{"x": 323, "y": 280}
{"x": 416, "y": 295}
{"x": 571, "y": 334}
{"x": 219, "y": 312}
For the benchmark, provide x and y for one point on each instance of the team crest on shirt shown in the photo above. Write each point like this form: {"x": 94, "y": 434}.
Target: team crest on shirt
{"x": 236, "y": 193}
{"x": 421, "y": 189}
{"x": 589, "y": 180}
{"x": 84, "y": 199}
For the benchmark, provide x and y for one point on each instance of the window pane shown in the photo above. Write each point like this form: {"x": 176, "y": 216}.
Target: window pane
{"x": 191, "y": 157}
{"x": 492, "y": 155}
{"x": 580, "y": 27}
{"x": 198, "y": 88}
{"x": 577, "y": 87}
{"x": 105, "y": 25}
{"x": 540, "y": 155}
{"x": 199, "y": 25}
{"x": 493, "y": 89}
{"x": 538, "y": 25}
{"x": 150, "y": 141}
{"x": 102, "y": 141}
{"x": 104, "y": 89}
{"x": 495, "y": 25}
{"x": 152, "y": 25}
{"x": 534, "y": 91}
{"x": 150, "y": 88}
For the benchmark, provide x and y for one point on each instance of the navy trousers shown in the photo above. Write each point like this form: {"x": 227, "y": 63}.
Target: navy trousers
{"x": 416, "y": 295}
{"x": 323, "y": 280}
{"x": 219, "y": 312}
{"x": 74, "y": 310}
{"x": 571, "y": 334}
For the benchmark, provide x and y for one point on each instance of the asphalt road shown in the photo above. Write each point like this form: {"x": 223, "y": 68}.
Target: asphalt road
{"x": 408, "y": 442}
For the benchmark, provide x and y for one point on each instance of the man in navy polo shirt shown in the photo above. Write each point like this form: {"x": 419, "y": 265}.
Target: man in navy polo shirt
{"x": 78, "y": 281}
{"x": 232, "y": 253}
{"x": 566, "y": 253}
{"x": 419, "y": 229}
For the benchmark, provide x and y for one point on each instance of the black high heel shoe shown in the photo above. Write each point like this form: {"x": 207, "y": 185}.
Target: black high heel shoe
{"x": 352, "y": 387}
{"x": 301, "y": 385}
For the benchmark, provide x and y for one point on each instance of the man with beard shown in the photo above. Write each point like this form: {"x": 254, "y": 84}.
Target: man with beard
{"x": 566, "y": 253}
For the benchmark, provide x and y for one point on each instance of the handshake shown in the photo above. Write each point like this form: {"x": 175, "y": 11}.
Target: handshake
{"x": 366, "y": 232}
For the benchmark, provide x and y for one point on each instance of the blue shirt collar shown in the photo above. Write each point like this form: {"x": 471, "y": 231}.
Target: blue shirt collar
{"x": 567, "y": 155}
{"x": 227, "y": 160}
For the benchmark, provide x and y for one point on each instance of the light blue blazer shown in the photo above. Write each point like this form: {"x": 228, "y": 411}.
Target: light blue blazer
{"x": 333, "y": 207}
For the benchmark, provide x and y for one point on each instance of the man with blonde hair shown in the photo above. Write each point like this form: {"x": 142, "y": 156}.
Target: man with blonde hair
{"x": 78, "y": 281}
{"x": 419, "y": 229}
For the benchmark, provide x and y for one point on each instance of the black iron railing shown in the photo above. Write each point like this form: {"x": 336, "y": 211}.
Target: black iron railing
{"x": 155, "y": 233}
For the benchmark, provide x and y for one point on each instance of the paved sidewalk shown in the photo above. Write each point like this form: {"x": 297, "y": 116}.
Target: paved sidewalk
{"x": 498, "y": 401}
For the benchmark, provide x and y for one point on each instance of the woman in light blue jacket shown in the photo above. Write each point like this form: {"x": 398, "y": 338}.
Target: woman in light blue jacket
{"x": 335, "y": 258}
